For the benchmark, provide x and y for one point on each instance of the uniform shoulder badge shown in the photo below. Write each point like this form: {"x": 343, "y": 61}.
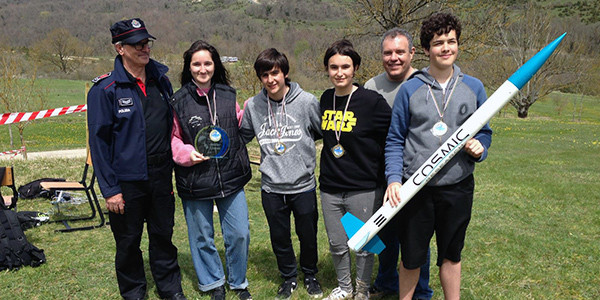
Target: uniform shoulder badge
{"x": 99, "y": 78}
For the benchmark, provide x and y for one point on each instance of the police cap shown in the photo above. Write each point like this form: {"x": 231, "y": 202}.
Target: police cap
{"x": 129, "y": 31}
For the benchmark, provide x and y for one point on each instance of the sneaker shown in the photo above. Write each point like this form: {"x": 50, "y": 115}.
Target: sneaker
{"x": 313, "y": 288}
{"x": 376, "y": 293}
{"x": 218, "y": 293}
{"x": 178, "y": 296}
{"x": 339, "y": 294}
{"x": 286, "y": 289}
{"x": 362, "y": 290}
{"x": 361, "y": 296}
{"x": 243, "y": 294}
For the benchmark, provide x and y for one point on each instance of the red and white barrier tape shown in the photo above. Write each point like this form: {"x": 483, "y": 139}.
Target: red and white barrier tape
{"x": 9, "y": 118}
{"x": 13, "y": 152}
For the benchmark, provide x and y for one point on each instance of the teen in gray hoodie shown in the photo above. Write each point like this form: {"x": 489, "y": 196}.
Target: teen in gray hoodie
{"x": 286, "y": 121}
{"x": 427, "y": 110}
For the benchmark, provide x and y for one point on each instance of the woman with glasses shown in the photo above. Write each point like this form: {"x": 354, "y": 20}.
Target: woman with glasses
{"x": 354, "y": 124}
{"x": 212, "y": 167}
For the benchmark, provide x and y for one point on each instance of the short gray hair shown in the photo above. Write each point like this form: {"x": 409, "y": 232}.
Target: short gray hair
{"x": 396, "y": 31}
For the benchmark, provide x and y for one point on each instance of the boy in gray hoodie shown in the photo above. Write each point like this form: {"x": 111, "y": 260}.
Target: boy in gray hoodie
{"x": 286, "y": 121}
{"x": 427, "y": 110}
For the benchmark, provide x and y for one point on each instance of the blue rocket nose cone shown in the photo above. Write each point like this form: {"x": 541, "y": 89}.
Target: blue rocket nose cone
{"x": 525, "y": 72}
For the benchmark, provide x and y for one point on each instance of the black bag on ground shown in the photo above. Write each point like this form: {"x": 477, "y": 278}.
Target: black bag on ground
{"x": 15, "y": 250}
{"x": 35, "y": 190}
{"x": 30, "y": 219}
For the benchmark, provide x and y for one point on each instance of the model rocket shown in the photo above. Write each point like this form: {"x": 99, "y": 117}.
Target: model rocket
{"x": 363, "y": 235}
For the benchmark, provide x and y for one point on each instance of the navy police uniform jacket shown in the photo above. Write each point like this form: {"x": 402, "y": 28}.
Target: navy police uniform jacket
{"x": 117, "y": 130}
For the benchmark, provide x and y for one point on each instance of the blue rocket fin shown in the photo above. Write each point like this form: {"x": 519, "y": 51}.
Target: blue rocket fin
{"x": 352, "y": 224}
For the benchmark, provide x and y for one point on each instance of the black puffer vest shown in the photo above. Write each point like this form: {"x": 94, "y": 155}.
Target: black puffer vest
{"x": 214, "y": 178}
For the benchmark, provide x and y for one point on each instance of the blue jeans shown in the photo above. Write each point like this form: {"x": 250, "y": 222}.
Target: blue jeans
{"x": 233, "y": 214}
{"x": 387, "y": 274}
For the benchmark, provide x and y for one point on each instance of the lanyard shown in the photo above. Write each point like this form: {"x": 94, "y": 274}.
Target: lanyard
{"x": 338, "y": 133}
{"x": 273, "y": 115}
{"x": 446, "y": 100}
{"x": 201, "y": 93}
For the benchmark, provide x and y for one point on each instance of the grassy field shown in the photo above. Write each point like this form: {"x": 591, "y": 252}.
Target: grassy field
{"x": 54, "y": 133}
{"x": 534, "y": 232}
{"x": 61, "y": 132}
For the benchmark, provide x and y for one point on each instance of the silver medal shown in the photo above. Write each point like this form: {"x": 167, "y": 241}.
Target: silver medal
{"x": 439, "y": 129}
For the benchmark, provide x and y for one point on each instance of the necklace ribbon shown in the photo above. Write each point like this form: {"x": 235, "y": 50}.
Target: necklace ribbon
{"x": 214, "y": 135}
{"x": 280, "y": 147}
{"x": 440, "y": 128}
{"x": 337, "y": 150}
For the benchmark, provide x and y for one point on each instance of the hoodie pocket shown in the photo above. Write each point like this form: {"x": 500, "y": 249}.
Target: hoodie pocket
{"x": 285, "y": 170}
{"x": 414, "y": 165}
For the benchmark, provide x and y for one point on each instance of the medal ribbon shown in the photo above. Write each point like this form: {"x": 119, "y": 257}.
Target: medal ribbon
{"x": 273, "y": 116}
{"x": 201, "y": 93}
{"x": 446, "y": 99}
{"x": 338, "y": 133}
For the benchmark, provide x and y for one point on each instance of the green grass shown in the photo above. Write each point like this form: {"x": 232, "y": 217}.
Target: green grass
{"x": 560, "y": 107}
{"x": 60, "y": 132}
{"x": 62, "y": 92}
{"x": 53, "y": 133}
{"x": 533, "y": 235}
{"x": 536, "y": 217}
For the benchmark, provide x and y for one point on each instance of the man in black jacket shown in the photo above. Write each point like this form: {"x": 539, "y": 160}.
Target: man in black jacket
{"x": 130, "y": 122}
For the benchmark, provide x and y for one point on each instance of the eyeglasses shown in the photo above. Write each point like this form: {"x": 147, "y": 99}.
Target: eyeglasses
{"x": 141, "y": 45}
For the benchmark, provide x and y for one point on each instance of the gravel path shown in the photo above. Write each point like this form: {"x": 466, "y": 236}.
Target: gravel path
{"x": 59, "y": 153}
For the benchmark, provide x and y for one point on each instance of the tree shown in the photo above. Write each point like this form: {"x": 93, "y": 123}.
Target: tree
{"x": 374, "y": 17}
{"x": 242, "y": 72}
{"x": 18, "y": 94}
{"x": 245, "y": 77}
{"x": 587, "y": 84}
{"x": 521, "y": 35}
{"x": 62, "y": 50}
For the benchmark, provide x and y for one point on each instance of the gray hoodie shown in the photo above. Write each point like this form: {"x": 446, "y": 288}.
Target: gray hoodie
{"x": 300, "y": 125}
{"x": 410, "y": 141}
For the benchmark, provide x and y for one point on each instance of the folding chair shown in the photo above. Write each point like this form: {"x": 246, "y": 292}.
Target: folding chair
{"x": 90, "y": 193}
{"x": 8, "y": 180}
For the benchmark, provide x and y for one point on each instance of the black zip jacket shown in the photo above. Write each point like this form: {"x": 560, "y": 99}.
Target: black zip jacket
{"x": 214, "y": 178}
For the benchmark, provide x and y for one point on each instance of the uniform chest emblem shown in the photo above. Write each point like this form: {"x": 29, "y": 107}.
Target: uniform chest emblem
{"x": 123, "y": 102}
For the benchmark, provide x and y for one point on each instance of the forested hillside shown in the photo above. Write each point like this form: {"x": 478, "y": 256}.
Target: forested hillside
{"x": 236, "y": 28}
{"x": 499, "y": 33}
{"x": 25, "y": 22}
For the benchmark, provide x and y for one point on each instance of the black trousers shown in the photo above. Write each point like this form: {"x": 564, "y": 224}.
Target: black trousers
{"x": 151, "y": 201}
{"x": 278, "y": 208}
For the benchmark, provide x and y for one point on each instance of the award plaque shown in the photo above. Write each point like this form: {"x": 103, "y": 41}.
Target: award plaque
{"x": 212, "y": 141}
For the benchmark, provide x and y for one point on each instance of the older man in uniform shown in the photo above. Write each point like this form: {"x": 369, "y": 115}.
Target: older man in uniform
{"x": 130, "y": 121}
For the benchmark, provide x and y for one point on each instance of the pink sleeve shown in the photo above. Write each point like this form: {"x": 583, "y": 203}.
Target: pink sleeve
{"x": 239, "y": 113}
{"x": 181, "y": 151}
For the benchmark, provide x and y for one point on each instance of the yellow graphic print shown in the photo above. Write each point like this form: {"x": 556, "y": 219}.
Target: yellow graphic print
{"x": 329, "y": 117}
